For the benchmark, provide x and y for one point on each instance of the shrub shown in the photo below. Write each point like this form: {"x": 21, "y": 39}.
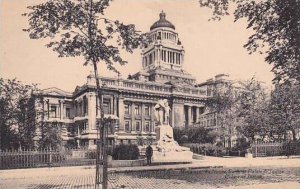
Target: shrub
{"x": 126, "y": 152}
{"x": 207, "y": 149}
{"x": 291, "y": 148}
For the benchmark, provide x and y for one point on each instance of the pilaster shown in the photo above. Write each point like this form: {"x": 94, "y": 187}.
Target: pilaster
{"x": 121, "y": 113}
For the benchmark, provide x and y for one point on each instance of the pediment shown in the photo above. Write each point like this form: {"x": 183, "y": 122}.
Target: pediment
{"x": 56, "y": 92}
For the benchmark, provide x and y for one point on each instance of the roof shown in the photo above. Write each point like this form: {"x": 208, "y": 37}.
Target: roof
{"x": 53, "y": 91}
{"x": 162, "y": 22}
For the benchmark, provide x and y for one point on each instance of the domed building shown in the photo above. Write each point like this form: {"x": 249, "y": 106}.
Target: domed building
{"x": 129, "y": 101}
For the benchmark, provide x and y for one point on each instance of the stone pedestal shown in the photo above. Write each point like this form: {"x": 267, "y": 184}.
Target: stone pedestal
{"x": 163, "y": 130}
{"x": 166, "y": 149}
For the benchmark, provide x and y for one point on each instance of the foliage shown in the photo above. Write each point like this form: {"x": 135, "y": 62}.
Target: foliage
{"x": 50, "y": 135}
{"x": 291, "y": 148}
{"x": 226, "y": 103}
{"x": 240, "y": 110}
{"x": 207, "y": 149}
{"x": 79, "y": 28}
{"x": 254, "y": 110}
{"x": 241, "y": 145}
{"x": 179, "y": 135}
{"x": 276, "y": 31}
{"x": 126, "y": 152}
{"x": 71, "y": 144}
{"x": 285, "y": 109}
{"x": 17, "y": 115}
{"x": 194, "y": 135}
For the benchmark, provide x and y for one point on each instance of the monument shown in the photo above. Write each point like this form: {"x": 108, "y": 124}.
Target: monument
{"x": 165, "y": 148}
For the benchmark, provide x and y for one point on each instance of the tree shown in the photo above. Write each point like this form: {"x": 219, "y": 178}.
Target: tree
{"x": 17, "y": 115}
{"x": 194, "y": 135}
{"x": 241, "y": 110}
{"x": 225, "y": 104}
{"x": 254, "y": 110}
{"x": 285, "y": 109}
{"x": 79, "y": 28}
{"x": 276, "y": 31}
{"x": 50, "y": 136}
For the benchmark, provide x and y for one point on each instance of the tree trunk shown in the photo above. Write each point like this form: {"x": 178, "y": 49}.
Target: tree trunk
{"x": 294, "y": 134}
{"x": 102, "y": 131}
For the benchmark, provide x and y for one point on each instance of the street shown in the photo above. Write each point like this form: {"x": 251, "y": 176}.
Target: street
{"x": 219, "y": 174}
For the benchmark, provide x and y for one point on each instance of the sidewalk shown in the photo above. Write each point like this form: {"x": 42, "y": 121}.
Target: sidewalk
{"x": 207, "y": 163}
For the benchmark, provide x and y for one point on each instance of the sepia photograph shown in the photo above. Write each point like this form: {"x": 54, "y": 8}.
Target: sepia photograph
{"x": 150, "y": 94}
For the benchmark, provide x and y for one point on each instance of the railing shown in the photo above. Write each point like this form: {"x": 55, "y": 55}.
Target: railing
{"x": 148, "y": 86}
{"x": 262, "y": 149}
{"x": 26, "y": 159}
{"x": 46, "y": 158}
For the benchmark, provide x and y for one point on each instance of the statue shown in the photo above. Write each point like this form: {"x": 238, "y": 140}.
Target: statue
{"x": 162, "y": 112}
{"x": 165, "y": 148}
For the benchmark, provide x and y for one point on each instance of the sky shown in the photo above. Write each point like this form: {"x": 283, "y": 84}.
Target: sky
{"x": 211, "y": 47}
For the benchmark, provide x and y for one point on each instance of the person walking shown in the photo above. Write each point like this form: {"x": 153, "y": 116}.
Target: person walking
{"x": 149, "y": 153}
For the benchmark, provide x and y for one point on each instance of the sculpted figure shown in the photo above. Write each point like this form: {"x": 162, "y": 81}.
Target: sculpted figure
{"x": 162, "y": 111}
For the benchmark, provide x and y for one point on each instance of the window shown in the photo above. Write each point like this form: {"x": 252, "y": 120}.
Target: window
{"x": 147, "y": 126}
{"x": 127, "y": 126}
{"x": 127, "y": 109}
{"x": 85, "y": 105}
{"x": 147, "y": 110}
{"x": 85, "y": 126}
{"x": 79, "y": 110}
{"x": 138, "y": 126}
{"x": 53, "y": 111}
{"x": 68, "y": 112}
{"x": 137, "y": 110}
{"x": 106, "y": 106}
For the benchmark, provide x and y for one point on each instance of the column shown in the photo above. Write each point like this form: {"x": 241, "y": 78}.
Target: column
{"x": 181, "y": 60}
{"x": 121, "y": 113}
{"x": 48, "y": 113}
{"x": 61, "y": 109}
{"x": 172, "y": 115}
{"x": 152, "y": 123}
{"x": 132, "y": 117}
{"x": 197, "y": 114}
{"x": 190, "y": 118}
{"x": 168, "y": 56}
{"x": 115, "y": 108}
{"x": 91, "y": 111}
{"x": 142, "y": 116}
{"x": 179, "y": 115}
{"x": 111, "y": 108}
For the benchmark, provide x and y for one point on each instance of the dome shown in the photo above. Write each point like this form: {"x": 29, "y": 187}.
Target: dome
{"x": 162, "y": 22}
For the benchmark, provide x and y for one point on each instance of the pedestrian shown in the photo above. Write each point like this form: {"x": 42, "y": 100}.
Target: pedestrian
{"x": 149, "y": 153}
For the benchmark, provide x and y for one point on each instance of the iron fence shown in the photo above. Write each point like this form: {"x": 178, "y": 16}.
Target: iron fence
{"x": 42, "y": 158}
{"x": 262, "y": 149}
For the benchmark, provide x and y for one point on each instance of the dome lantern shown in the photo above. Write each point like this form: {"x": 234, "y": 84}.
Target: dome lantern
{"x": 162, "y": 22}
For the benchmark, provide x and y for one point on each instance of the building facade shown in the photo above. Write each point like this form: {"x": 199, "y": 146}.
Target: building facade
{"x": 129, "y": 101}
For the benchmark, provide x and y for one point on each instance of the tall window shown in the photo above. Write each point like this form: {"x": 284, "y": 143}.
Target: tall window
{"x": 147, "y": 110}
{"x": 138, "y": 126}
{"x": 127, "y": 109}
{"x": 68, "y": 112}
{"x": 147, "y": 126}
{"x": 137, "y": 110}
{"x": 106, "y": 106}
{"x": 53, "y": 111}
{"x": 127, "y": 126}
{"x": 85, "y": 105}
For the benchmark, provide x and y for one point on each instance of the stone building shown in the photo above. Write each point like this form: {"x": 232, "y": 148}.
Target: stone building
{"x": 130, "y": 101}
{"x": 210, "y": 119}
